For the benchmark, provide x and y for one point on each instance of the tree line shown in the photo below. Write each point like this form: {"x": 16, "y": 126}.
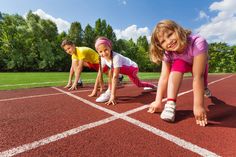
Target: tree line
{"x": 33, "y": 44}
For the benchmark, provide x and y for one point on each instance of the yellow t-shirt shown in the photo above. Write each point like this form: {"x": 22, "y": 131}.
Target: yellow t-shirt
{"x": 86, "y": 54}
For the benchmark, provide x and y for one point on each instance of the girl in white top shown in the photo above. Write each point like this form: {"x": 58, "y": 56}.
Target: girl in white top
{"x": 117, "y": 63}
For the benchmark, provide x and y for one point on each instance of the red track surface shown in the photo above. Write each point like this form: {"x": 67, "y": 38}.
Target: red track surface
{"x": 55, "y": 122}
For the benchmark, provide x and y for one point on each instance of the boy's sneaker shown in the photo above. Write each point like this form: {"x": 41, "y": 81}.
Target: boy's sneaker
{"x": 168, "y": 114}
{"x": 80, "y": 84}
{"x": 104, "y": 97}
{"x": 207, "y": 93}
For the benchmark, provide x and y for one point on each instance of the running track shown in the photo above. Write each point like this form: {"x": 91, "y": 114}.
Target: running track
{"x": 54, "y": 122}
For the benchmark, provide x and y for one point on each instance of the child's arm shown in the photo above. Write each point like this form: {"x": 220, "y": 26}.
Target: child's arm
{"x": 115, "y": 77}
{"x": 78, "y": 67}
{"x": 156, "y": 106}
{"x": 199, "y": 63}
{"x": 98, "y": 81}
{"x": 70, "y": 76}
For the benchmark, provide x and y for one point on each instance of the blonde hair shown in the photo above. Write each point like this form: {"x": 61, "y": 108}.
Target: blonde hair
{"x": 156, "y": 50}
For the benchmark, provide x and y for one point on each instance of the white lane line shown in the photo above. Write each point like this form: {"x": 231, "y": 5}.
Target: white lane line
{"x": 39, "y": 83}
{"x": 47, "y": 140}
{"x": 49, "y": 82}
{"x": 28, "y": 97}
{"x": 220, "y": 79}
{"x": 43, "y": 95}
{"x": 40, "y": 95}
{"x": 178, "y": 141}
{"x": 189, "y": 91}
{"x": 34, "y": 83}
{"x": 174, "y": 139}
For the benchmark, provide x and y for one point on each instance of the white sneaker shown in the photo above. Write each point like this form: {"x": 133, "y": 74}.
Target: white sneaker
{"x": 104, "y": 97}
{"x": 149, "y": 88}
{"x": 168, "y": 114}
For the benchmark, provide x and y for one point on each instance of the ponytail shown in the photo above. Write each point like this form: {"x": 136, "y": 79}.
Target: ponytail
{"x": 110, "y": 71}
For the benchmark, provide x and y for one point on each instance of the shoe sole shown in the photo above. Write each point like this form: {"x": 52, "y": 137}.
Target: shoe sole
{"x": 101, "y": 101}
{"x": 167, "y": 119}
{"x": 149, "y": 90}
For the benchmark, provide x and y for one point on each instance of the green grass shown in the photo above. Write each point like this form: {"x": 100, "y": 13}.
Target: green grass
{"x": 18, "y": 80}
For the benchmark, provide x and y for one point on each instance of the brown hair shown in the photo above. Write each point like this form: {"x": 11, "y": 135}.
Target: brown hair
{"x": 66, "y": 42}
{"x": 156, "y": 50}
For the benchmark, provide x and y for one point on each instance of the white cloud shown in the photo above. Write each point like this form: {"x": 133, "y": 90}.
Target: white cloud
{"x": 202, "y": 15}
{"x": 221, "y": 28}
{"x": 62, "y": 25}
{"x": 132, "y": 32}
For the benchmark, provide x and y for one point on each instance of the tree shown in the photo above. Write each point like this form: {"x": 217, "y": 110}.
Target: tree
{"x": 89, "y": 36}
{"x": 143, "y": 42}
{"x": 49, "y": 30}
{"x": 100, "y": 28}
{"x": 62, "y": 61}
{"x": 14, "y": 49}
{"x": 76, "y": 33}
{"x": 33, "y": 44}
{"x": 143, "y": 51}
{"x": 221, "y": 58}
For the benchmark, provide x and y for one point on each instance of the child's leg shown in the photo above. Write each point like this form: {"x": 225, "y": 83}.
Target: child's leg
{"x": 174, "y": 83}
{"x": 178, "y": 68}
{"x": 131, "y": 72}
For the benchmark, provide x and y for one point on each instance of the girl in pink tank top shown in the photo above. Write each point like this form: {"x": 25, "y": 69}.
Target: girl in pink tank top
{"x": 179, "y": 52}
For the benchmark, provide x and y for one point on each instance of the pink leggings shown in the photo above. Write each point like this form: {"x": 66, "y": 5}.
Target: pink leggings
{"x": 132, "y": 72}
{"x": 183, "y": 67}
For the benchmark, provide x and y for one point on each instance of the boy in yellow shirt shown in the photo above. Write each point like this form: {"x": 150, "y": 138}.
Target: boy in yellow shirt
{"x": 81, "y": 56}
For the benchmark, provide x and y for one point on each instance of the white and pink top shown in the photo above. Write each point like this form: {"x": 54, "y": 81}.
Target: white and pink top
{"x": 119, "y": 61}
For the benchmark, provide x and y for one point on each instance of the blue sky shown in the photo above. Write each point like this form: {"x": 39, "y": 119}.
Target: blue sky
{"x": 213, "y": 19}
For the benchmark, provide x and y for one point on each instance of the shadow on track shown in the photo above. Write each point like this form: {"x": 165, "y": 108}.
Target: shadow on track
{"x": 143, "y": 98}
{"x": 221, "y": 114}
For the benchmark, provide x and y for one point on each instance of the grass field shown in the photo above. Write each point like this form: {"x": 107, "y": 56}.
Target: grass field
{"x": 11, "y": 80}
